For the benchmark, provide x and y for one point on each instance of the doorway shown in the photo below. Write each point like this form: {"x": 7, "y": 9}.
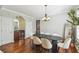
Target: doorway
{"x": 19, "y": 29}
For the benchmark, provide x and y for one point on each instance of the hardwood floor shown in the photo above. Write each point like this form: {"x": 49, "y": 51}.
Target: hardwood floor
{"x": 25, "y": 46}
{"x": 21, "y": 46}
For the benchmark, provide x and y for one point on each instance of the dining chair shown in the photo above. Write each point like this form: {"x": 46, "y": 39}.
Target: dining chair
{"x": 46, "y": 44}
{"x": 36, "y": 40}
{"x": 65, "y": 45}
{"x": 36, "y": 43}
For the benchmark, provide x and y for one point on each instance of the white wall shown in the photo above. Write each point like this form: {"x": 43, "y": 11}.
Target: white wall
{"x": 7, "y": 29}
{"x": 30, "y": 25}
{"x": 34, "y": 26}
{"x": 54, "y": 25}
{"x": 28, "y": 29}
{"x": 0, "y": 30}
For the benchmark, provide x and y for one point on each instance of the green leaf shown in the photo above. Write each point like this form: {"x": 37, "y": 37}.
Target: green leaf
{"x": 70, "y": 22}
{"x": 74, "y": 20}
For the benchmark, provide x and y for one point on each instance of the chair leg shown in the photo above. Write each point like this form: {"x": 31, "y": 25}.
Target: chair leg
{"x": 57, "y": 48}
{"x": 37, "y": 48}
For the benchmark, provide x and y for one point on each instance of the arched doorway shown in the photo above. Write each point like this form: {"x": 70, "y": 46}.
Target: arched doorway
{"x": 19, "y": 29}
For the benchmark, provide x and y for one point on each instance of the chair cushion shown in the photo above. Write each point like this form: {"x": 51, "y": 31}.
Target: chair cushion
{"x": 36, "y": 40}
{"x": 46, "y": 43}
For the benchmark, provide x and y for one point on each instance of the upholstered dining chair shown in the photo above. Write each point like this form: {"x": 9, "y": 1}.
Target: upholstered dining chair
{"x": 65, "y": 45}
{"x": 36, "y": 43}
{"x": 46, "y": 44}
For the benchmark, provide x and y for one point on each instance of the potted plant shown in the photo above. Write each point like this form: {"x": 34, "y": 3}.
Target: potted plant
{"x": 74, "y": 21}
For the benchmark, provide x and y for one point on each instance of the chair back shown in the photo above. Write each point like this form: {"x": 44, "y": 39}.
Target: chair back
{"x": 46, "y": 43}
{"x": 67, "y": 43}
{"x": 36, "y": 40}
{"x": 67, "y": 30}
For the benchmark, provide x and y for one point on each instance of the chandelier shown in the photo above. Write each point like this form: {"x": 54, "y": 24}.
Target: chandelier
{"x": 45, "y": 18}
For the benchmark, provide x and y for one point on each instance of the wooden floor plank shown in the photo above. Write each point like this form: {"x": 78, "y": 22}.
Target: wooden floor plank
{"x": 25, "y": 46}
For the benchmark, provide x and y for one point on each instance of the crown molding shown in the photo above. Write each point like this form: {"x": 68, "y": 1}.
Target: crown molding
{"x": 17, "y": 13}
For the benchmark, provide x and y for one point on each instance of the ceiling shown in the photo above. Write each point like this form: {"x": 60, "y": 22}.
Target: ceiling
{"x": 37, "y": 11}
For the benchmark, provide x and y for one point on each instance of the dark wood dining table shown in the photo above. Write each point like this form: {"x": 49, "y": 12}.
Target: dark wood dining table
{"x": 53, "y": 39}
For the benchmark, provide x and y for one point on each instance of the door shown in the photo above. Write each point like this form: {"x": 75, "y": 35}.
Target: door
{"x": 19, "y": 29}
{"x": 16, "y": 30}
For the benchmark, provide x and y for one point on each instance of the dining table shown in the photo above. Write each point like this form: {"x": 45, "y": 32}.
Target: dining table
{"x": 53, "y": 39}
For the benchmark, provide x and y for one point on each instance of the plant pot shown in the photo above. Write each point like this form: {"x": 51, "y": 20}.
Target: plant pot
{"x": 73, "y": 35}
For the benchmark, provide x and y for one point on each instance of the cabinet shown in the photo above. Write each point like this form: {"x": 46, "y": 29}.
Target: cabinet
{"x": 19, "y": 35}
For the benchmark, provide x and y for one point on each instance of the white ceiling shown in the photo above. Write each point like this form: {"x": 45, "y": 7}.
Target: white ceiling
{"x": 37, "y": 11}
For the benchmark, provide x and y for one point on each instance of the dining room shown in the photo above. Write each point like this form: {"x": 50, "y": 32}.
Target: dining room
{"x": 49, "y": 29}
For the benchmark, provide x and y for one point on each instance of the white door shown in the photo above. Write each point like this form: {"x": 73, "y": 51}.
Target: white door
{"x": 7, "y": 30}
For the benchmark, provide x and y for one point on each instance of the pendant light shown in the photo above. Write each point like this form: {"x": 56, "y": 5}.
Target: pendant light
{"x": 45, "y": 18}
